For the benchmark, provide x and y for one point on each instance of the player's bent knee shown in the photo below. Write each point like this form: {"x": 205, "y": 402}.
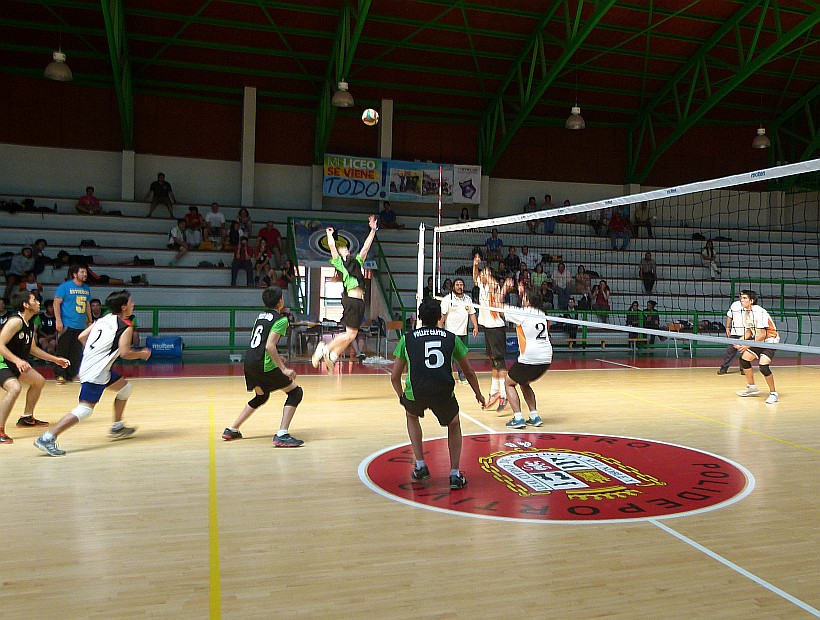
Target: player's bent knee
{"x": 81, "y": 412}
{"x": 258, "y": 400}
{"x": 125, "y": 392}
{"x": 294, "y": 397}
{"x": 765, "y": 370}
{"x": 745, "y": 364}
{"x": 499, "y": 364}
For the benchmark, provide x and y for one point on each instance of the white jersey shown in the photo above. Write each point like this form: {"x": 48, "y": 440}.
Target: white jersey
{"x": 758, "y": 319}
{"x": 458, "y": 315}
{"x": 486, "y": 297}
{"x": 736, "y": 313}
{"x": 534, "y": 344}
{"x": 101, "y": 349}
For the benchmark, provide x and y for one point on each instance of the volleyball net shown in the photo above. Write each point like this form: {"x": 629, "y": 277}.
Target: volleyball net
{"x": 663, "y": 263}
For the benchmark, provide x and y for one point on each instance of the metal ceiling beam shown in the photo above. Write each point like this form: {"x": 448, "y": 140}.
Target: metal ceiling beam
{"x": 534, "y": 75}
{"x": 348, "y": 33}
{"x": 693, "y": 76}
{"x": 807, "y": 109}
{"x": 114, "y": 16}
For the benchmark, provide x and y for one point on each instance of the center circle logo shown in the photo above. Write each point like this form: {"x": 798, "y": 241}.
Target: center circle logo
{"x": 561, "y": 478}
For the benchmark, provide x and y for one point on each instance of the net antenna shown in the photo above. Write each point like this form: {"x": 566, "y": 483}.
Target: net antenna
{"x": 764, "y": 229}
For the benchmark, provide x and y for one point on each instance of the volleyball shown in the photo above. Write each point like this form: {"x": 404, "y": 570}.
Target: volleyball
{"x": 370, "y": 117}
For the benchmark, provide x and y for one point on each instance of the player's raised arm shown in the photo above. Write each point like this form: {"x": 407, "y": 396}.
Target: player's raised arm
{"x": 374, "y": 226}
{"x": 331, "y": 243}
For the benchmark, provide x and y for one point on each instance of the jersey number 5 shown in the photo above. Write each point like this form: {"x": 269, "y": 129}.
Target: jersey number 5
{"x": 433, "y": 357}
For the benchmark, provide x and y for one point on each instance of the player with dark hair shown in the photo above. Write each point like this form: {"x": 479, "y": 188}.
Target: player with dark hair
{"x": 759, "y": 327}
{"x": 350, "y": 270}
{"x": 73, "y": 314}
{"x": 265, "y": 371}
{"x": 16, "y": 343}
{"x": 534, "y": 358}
{"x": 105, "y": 340}
{"x": 427, "y": 354}
{"x": 494, "y": 328}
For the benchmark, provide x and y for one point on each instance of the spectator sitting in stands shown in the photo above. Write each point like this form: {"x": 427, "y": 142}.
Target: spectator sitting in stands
{"x": 215, "y": 226}
{"x": 538, "y": 277}
{"x": 245, "y": 223}
{"x": 242, "y": 260}
{"x": 97, "y": 312}
{"x": 31, "y": 285}
{"x": 549, "y": 222}
{"x": 547, "y": 294}
{"x": 446, "y": 287}
{"x": 262, "y": 264}
{"x": 568, "y": 219}
{"x": 176, "y": 241}
{"x": 644, "y": 217}
{"x": 387, "y": 217}
{"x": 530, "y": 259}
{"x": 465, "y": 215}
{"x": 709, "y": 257}
{"x": 45, "y": 326}
{"x": 21, "y": 264}
{"x": 286, "y": 276}
{"x": 95, "y": 279}
{"x": 274, "y": 238}
{"x": 532, "y": 207}
{"x": 511, "y": 261}
{"x": 523, "y": 276}
{"x": 494, "y": 246}
{"x": 651, "y": 320}
{"x": 633, "y": 320}
{"x": 234, "y": 237}
{"x": 193, "y": 227}
{"x": 562, "y": 284}
{"x": 4, "y": 312}
{"x": 583, "y": 285}
{"x": 648, "y": 272}
{"x": 89, "y": 203}
{"x": 600, "y": 299}
{"x": 428, "y": 291}
{"x": 40, "y": 258}
{"x": 160, "y": 192}
{"x": 619, "y": 229}
{"x": 571, "y": 329}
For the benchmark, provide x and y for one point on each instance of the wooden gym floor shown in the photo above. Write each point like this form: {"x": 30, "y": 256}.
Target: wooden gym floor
{"x": 176, "y": 523}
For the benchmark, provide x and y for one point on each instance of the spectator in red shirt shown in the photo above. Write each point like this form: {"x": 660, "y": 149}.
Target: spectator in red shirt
{"x": 242, "y": 259}
{"x": 619, "y": 228}
{"x": 89, "y": 203}
{"x": 193, "y": 227}
{"x": 274, "y": 238}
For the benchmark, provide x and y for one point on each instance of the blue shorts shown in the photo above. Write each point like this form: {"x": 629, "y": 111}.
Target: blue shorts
{"x": 92, "y": 392}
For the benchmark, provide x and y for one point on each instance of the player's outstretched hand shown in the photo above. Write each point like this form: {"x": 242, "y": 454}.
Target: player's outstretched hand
{"x": 329, "y": 230}
{"x": 145, "y": 354}
{"x": 373, "y": 222}
{"x": 290, "y": 374}
{"x": 481, "y": 401}
{"x": 63, "y": 362}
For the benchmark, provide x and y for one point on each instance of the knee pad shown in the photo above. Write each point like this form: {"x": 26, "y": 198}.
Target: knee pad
{"x": 81, "y": 412}
{"x": 499, "y": 364}
{"x": 745, "y": 364}
{"x": 125, "y": 392}
{"x": 764, "y": 370}
{"x": 258, "y": 400}
{"x": 294, "y": 397}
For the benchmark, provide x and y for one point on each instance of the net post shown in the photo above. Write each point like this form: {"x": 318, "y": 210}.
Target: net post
{"x": 420, "y": 278}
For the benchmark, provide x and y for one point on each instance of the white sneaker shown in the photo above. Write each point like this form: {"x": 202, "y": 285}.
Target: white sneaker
{"x": 328, "y": 361}
{"x": 773, "y": 398}
{"x": 317, "y": 354}
{"x": 751, "y": 390}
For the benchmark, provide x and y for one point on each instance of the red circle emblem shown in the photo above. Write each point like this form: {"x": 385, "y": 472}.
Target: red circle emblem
{"x": 562, "y": 478}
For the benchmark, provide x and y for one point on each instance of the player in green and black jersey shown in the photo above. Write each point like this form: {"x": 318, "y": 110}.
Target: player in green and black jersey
{"x": 265, "y": 371}
{"x": 427, "y": 353}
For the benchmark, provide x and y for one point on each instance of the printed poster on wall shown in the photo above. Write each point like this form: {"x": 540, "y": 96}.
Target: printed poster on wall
{"x": 310, "y": 237}
{"x": 401, "y": 181}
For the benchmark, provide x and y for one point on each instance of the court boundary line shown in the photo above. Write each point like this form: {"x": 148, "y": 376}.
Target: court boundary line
{"x": 603, "y": 361}
{"x": 215, "y": 579}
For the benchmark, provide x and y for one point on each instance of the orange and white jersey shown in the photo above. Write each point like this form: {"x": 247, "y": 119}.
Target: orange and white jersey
{"x": 758, "y": 319}
{"x": 534, "y": 344}
{"x": 489, "y": 297}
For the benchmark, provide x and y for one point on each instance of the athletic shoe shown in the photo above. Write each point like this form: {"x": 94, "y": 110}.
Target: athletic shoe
{"x": 60, "y": 380}
{"x": 493, "y": 399}
{"x": 286, "y": 441}
{"x": 49, "y": 447}
{"x": 723, "y": 371}
{"x": 502, "y": 404}
{"x": 773, "y": 398}
{"x": 458, "y": 481}
{"x": 30, "y": 420}
{"x": 4, "y": 439}
{"x": 361, "y": 355}
{"x": 536, "y": 421}
{"x": 513, "y": 423}
{"x": 328, "y": 361}
{"x": 420, "y": 473}
{"x": 317, "y": 354}
{"x": 229, "y": 435}
{"x": 122, "y": 433}
{"x": 752, "y": 390}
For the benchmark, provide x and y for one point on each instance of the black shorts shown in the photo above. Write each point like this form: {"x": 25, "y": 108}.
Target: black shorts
{"x": 353, "y": 311}
{"x": 8, "y": 373}
{"x": 445, "y": 409}
{"x": 527, "y": 373}
{"x": 495, "y": 343}
{"x": 762, "y": 351}
{"x": 269, "y": 381}
{"x": 99, "y": 279}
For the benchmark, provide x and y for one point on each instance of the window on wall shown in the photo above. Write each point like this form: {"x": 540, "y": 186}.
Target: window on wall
{"x": 330, "y": 295}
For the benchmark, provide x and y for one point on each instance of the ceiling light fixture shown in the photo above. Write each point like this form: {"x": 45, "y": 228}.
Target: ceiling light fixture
{"x": 342, "y": 97}
{"x": 57, "y": 69}
{"x": 761, "y": 140}
{"x": 575, "y": 120}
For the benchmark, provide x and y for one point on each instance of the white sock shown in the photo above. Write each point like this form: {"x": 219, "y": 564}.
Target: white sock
{"x": 454, "y": 472}
{"x": 517, "y": 415}
{"x": 48, "y": 436}
{"x": 281, "y": 432}
{"x": 420, "y": 464}
{"x": 333, "y": 356}
{"x": 501, "y": 387}
{"x": 494, "y": 386}
{"x": 117, "y": 426}
{"x": 533, "y": 414}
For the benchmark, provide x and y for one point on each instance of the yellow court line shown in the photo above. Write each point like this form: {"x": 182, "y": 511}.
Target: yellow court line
{"x": 213, "y": 521}
{"x": 708, "y": 419}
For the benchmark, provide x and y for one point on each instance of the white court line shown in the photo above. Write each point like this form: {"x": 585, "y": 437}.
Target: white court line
{"x": 617, "y": 364}
{"x": 738, "y": 569}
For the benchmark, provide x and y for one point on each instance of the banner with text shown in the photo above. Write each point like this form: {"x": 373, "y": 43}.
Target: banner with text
{"x": 403, "y": 181}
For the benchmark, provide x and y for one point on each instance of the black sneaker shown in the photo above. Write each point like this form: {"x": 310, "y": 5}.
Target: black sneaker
{"x": 286, "y": 441}
{"x": 723, "y": 371}
{"x": 420, "y": 473}
{"x": 458, "y": 481}
{"x": 30, "y": 420}
{"x": 229, "y": 435}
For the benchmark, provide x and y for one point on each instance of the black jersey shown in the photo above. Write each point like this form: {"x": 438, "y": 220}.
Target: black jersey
{"x": 256, "y": 357}
{"x": 429, "y": 352}
{"x": 46, "y": 324}
{"x": 20, "y": 343}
